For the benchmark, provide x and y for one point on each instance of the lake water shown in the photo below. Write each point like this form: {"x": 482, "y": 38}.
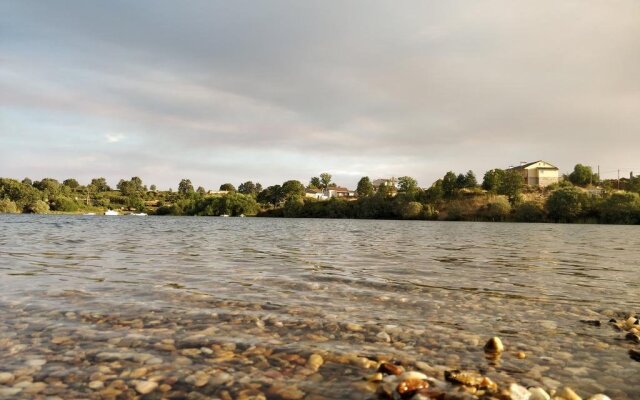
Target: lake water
{"x": 234, "y": 307}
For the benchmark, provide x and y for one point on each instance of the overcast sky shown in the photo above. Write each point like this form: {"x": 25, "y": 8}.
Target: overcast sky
{"x": 274, "y": 90}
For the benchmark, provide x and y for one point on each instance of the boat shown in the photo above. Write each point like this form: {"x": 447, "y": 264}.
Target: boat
{"x": 89, "y": 214}
{"x": 224, "y": 215}
{"x": 139, "y": 214}
{"x": 111, "y": 212}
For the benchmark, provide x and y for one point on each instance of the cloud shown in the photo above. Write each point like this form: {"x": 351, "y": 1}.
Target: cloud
{"x": 114, "y": 137}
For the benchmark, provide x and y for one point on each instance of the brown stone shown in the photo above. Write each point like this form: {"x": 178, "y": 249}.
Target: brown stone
{"x": 409, "y": 387}
{"x": 391, "y": 369}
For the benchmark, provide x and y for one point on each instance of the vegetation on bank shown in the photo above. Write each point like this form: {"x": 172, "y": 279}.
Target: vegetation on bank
{"x": 501, "y": 196}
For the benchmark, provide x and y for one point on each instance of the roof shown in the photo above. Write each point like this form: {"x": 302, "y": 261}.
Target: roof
{"x": 527, "y": 165}
{"x": 313, "y": 190}
{"x": 338, "y": 189}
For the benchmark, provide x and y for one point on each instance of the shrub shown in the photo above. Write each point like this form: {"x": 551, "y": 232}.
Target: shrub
{"x": 497, "y": 209}
{"x": 565, "y": 204}
{"x": 8, "y": 206}
{"x": 529, "y": 212}
{"x": 38, "y": 207}
{"x": 621, "y": 208}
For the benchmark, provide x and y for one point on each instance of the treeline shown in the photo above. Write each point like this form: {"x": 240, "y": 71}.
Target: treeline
{"x": 501, "y": 196}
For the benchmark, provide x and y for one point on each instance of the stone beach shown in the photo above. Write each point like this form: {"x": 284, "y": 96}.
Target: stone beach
{"x": 280, "y": 322}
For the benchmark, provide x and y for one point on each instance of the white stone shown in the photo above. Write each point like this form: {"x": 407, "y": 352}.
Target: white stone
{"x": 517, "y": 392}
{"x": 145, "y": 387}
{"x": 599, "y": 396}
{"x": 412, "y": 375}
{"x": 6, "y": 377}
{"x": 384, "y": 336}
{"x": 538, "y": 394}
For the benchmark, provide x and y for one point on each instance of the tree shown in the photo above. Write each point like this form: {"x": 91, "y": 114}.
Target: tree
{"x": 27, "y": 181}
{"x": 71, "y": 184}
{"x": 470, "y": 180}
{"x": 461, "y": 181}
{"x": 153, "y": 188}
{"x": 565, "y": 204}
{"x": 8, "y": 206}
{"x": 511, "y": 185}
{"x": 529, "y": 212}
{"x": 185, "y": 187}
{"x": 315, "y": 183}
{"x": 49, "y": 186}
{"x": 271, "y": 195}
{"x": 621, "y": 208}
{"x": 582, "y": 175}
{"x": 99, "y": 185}
{"x": 248, "y": 187}
{"x": 365, "y": 187}
{"x": 131, "y": 187}
{"x": 493, "y": 180}
{"x": 227, "y": 187}
{"x": 292, "y": 188}
{"x": 38, "y": 207}
{"x": 201, "y": 190}
{"x": 449, "y": 184}
{"x": 325, "y": 180}
{"x": 407, "y": 184}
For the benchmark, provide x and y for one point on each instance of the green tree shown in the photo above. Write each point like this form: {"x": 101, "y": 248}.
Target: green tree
{"x": 201, "y": 190}
{"x": 249, "y": 188}
{"x": 292, "y": 188}
{"x": 407, "y": 184}
{"x": 435, "y": 193}
{"x": 470, "y": 180}
{"x": 227, "y": 187}
{"x": 365, "y": 187}
{"x": 511, "y": 185}
{"x": 153, "y": 188}
{"x": 315, "y": 183}
{"x": 27, "y": 181}
{"x": 272, "y": 195}
{"x": 497, "y": 209}
{"x": 131, "y": 187}
{"x": 582, "y": 175}
{"x": 449, "y": 184}
{"x": 185, "y": 188}
{"x": 492, "y": 180}
{"x": 325, "y": 180}
{"x": 461, "y": 181}
{"x": 48, "y": 186}
{"x": 71, "y": 184}
{"x": 38, "y": 207}
{"x": 565, "y": 204}
{"x": 99, "y": 185}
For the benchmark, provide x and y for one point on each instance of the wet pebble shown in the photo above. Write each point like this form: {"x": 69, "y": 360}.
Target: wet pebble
{"x": 146, "y": 387}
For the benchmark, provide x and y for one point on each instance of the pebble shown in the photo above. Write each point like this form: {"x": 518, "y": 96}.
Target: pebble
{"x": 538, "y": 393}
{"x": 410, "y": 386}
{"x": 568, "y": 394}
{"x": 146, "y": 387}
{"x": 353, "y": 327}
{"x": 384, "y": 337}
{"x": 315, "y": 362}
{"x": 599, "y": 396}
{"x": 517, "y": 392}
{"x": 138, "y": 373}
{"x": 494, "y": 346}
{"x": 6, "y": 377}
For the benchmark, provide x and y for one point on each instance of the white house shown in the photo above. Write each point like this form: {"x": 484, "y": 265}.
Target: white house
{"x": 337, "y": 191}
{"x": 315, "y": 194}
{"x": 538, "y": 173}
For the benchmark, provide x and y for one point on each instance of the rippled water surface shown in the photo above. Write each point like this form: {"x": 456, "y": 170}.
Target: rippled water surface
{"x": 264, "y": 287}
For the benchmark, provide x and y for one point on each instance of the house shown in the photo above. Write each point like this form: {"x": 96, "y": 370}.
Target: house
{"x": 340, "y": 192}
{"x": 538, "y": 173}
{"x": 317, "y": 194}
{"x": 384, "y": 182}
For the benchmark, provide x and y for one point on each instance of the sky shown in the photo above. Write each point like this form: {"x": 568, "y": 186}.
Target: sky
{"x": 230, "y": 91}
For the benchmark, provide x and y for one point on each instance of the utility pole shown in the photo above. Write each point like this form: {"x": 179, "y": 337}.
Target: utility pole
{"x": 618, "y": 179}
{"x": 598, "y": 174}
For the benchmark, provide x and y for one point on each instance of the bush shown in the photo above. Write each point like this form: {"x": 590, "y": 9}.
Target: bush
{"x": 38, "y": 207}
{"x": 497, "y": 209}
{"x": 565, "y": 204}
{"x": 529, "y": 212}
{"x": 621, "y": 208}
{"x": 62, "y": 203}
{"x": 410, "y": 210}
{"x": 9, "y": 207}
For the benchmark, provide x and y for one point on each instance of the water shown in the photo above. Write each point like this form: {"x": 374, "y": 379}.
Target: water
{"x": 273, "y": 291}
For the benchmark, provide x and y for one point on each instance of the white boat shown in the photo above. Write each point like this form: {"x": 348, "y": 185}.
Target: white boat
{"x": 139, "y": 214}
{"x": 89, "y": 214}
{"x": 111, "y": 212}
{"x": 224, "y": 215}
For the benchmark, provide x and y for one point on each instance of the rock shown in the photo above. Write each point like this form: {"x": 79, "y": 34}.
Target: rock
{"x": 315, "y": 362}
{"x": 517, "y": 392}
{"x": 35, "y": 387}
{"x": 353, "y": 327}
{"x": 138, "y": 373}
{"x": 494, "y": 346}
{"x": 6, "y": 377}
{"x": 550, "y": 325}
{"x": 412, "y": 375}
{"x": 198, "y": 379}
{"x": 36, "y": 362}
{"x": 8, "y": 392}
{"x": 408, "y": 387}
{"x": 96, "y": 385}
{"x": 220, "y": 378}
{"x": 633, "y": 337}
{"x": 599, "y": 396}
{"x": 463, "y": 378}
{"x": 538, "y": 394}
{"x": 521, "y": 355}
{"x": 384, "y": 337}
{"x": 634, "y": 354}
{"x": 568, "y": 394}
{"x": 391, "y": 369}
{"x": 146, "y": 387}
